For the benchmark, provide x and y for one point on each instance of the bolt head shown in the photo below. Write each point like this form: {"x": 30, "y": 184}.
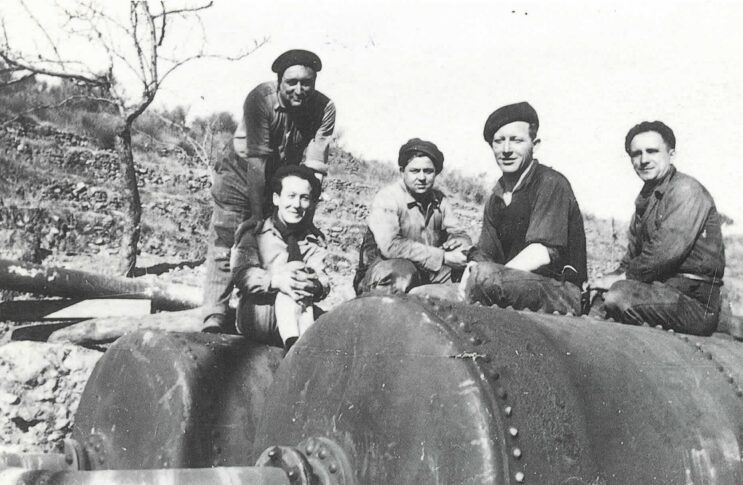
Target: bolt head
{"x": 516, "y": 453}
{"x": 333, "y": 468}
{"x": 519, "y": 476}
{"x": 323, "y": 453}
{"x": 274, "y": 453}
{"x": 513, "y": 432}
{"x": 508, "y": 410}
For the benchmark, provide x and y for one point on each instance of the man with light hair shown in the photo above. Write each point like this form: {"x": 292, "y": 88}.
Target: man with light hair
{"x": 672, "y": 271}
{"x": 532, "y": 248}
{"x": 283, "y": 120}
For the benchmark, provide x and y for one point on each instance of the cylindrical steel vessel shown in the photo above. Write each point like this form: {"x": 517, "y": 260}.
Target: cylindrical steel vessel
{"x": 424, "y": 391}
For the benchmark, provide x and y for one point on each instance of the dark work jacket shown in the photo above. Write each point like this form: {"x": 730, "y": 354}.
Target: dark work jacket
{"x": 675, "y": 230}
{"x": 543, "y": 210}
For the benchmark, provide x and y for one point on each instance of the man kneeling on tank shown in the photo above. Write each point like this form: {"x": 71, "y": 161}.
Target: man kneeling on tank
{"x": 279, "y": 266}
{"x": 672, "y": 271}
{"x": 413, "y": 236}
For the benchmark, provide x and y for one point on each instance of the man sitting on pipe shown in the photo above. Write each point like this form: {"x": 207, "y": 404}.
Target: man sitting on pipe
{"x": 672, "y": 271}
{"x": 532, "y": 248}
{"x": 413, "y": 237}
{"x": 279, "y": 266}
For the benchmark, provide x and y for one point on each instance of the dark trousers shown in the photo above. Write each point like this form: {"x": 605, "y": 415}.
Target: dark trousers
{"x": 494, "y": 284}
{"x": 231, "y": 207}
{"x": 682, "y": 304}
{"x": 399, "y": 275}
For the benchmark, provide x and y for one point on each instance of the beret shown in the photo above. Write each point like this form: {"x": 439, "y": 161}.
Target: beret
{"x": 522, "y": 111}
{"x": 296, "y": 57}
{"x": 417, "y": 145}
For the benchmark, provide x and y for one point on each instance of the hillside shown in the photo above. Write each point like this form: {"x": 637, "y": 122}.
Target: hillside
{"x": 60, "y": 205}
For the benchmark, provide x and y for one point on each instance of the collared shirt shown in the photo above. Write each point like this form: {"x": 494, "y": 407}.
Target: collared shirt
{"x": 543, "y": 210}
{"x": 268, "y": 129}
{"x": 259, "y": 251}
{"x": 406, "y": 228}
{"x": 675, "y": 229}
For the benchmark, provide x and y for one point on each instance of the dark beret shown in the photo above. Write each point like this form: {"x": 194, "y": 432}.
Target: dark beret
{"x": 522, "y": 111}
{"x": 296, "y": 57}
{"x": 417, "y": 145}
{"x": 300, "y": 171}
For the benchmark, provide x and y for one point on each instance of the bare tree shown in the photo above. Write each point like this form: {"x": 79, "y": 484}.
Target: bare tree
{"x": 135, "y": 46}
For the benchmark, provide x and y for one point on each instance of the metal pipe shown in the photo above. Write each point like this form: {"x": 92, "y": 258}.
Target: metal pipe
{"x": 174, "y": 476}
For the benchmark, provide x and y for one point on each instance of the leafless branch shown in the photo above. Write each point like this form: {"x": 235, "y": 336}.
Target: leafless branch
{"x": 177, "y": 11}
{"x": 42, "y": 29}
{"x": 93, "y": 81}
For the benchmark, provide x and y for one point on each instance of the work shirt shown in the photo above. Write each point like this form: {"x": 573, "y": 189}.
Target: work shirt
{"x": 675, "y": 230}
{"x": 269, "y": 130}
{"x": 542, "y": 209}
{"x": 403, "y": 227}
{"x": 261, "y": 250}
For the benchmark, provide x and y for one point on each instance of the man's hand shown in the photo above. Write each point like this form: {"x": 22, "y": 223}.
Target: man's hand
{"x": 295, "y": 280}
{"x": 605, "y": 282}
{"x": 456, "y": 258}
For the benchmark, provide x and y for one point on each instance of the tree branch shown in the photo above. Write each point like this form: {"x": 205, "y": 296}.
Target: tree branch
{"x": 165, "y": 13}
{"x": 64, "y": 102}
{"x": 94, "y": 81}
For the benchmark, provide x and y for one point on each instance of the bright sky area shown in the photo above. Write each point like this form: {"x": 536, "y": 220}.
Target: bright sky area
{"x": 436, "y": 69}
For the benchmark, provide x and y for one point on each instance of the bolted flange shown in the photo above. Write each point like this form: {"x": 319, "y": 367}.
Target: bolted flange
{"x": 315, "y": 461}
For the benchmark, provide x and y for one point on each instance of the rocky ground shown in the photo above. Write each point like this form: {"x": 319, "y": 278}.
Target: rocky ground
{"x": 59, "y": 205}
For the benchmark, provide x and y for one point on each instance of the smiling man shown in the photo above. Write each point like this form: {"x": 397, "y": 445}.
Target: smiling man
{"x": 279, "y": 266}
{"x": 283, "y": 120}
{"x": 532, "y": 248}
{"x": 672, "y": 271}
{"x": 413, "y": 237}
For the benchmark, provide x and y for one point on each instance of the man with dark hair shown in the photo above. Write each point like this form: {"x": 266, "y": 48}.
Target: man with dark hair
{"x": 532, "y": 248}
{"x": 413, "y": 237}
{"x": 278, "y": 266}
{"x": 672, "y": 271}
{"x": 282, "y": 120}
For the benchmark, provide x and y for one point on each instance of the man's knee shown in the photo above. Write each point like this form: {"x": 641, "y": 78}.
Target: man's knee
{"x": 393, "y": 275}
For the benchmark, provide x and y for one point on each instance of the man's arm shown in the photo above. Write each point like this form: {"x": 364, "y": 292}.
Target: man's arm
{"x": 384, "y": 223}
{"x": 684, "y": 213}
{"x": 548, "y": 225}
{"x": 316, "y": 156}
{"x": 247, "y": 273}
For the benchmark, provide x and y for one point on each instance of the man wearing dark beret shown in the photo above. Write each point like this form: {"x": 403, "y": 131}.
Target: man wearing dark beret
{"x": 672, "y": 272}
{"x": 413, "y": 237}
{"x": 285, "y": 122}
{"x": 532, "y": 248}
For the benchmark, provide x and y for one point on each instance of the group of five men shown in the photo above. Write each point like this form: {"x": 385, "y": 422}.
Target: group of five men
{"x": 532, "y": 248}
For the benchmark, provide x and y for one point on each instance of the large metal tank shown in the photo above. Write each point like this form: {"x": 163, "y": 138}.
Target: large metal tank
{"x": 408, "y": 390}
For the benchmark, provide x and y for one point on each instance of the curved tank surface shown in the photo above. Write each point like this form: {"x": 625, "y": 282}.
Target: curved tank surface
{"x": 415, "y": 390}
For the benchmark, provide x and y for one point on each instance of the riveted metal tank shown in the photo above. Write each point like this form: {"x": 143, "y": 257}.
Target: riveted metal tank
{"x": 173, "y": 400}
{"x": 401, "y": 390}
{"x": 427, "y": 391}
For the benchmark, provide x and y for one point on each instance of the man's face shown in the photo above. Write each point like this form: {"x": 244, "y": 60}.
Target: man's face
{"x": 513, "y": 147}
{"x": 296, "y": 86}
{"x": 651, "y": 157}
{"x": 419, "y": 175}
{"x": 294, "y": 201}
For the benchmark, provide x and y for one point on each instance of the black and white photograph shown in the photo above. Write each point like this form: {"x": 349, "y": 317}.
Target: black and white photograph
{"x": 371, "y": 242}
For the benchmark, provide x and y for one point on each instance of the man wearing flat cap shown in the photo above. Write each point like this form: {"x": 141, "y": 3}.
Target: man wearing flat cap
{"x": 285, "y": 122}
{"x": 532, "y": 248}
{"x": 672, "y": 272}
{"x": 413, "y": 237}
